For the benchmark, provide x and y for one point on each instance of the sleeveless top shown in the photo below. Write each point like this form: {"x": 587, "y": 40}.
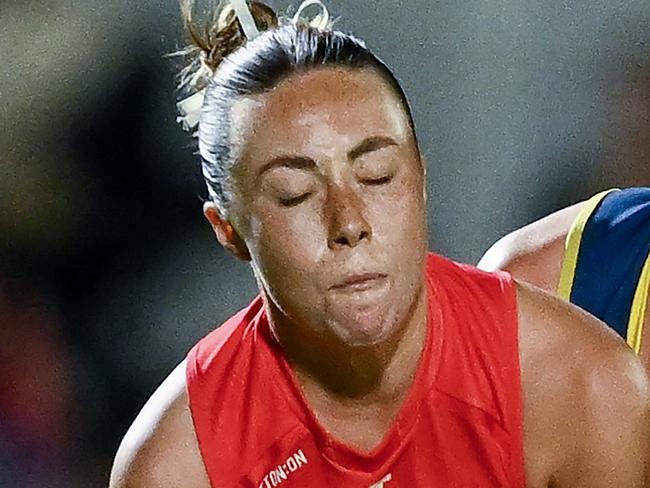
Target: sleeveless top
{"x": 459, "y": 426}
{"x": 606, "y": 269}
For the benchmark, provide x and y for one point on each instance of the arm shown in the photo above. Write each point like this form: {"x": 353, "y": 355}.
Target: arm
{"x": 534, "y": 253}
{"x": 586, "y": 399}
{"x": 160, "y": 449}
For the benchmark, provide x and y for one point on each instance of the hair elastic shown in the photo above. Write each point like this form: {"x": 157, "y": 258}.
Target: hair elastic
{"x": 190, "y": 108}
{"x": 245, "y": 18}
{"x": 320, "y": 21}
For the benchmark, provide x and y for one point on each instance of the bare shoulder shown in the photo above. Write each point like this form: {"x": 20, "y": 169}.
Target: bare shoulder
{"x": 534, "y": 253}
{"x": 586, "y": 397}
{"x": 160, "y": 449}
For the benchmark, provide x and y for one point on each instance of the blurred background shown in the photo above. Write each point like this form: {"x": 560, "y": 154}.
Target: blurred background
{"x": 108, "y": 273}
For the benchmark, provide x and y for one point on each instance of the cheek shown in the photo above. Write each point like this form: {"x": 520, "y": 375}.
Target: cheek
{"x": 288, "y": 248}
{"x": 293, "y": 238}
{"x": 399, "y": 214}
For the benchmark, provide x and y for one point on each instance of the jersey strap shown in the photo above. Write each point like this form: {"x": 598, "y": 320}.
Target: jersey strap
{"x": 606, "y": 269}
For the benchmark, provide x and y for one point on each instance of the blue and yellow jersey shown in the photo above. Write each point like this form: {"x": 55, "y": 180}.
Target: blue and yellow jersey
{"x": 605, "y": 269}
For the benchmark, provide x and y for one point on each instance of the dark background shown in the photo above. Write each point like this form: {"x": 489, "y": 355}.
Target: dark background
{"x": 108, "y": 273}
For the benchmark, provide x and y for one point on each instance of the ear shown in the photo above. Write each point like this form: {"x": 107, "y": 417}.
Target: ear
{"x": 225, "y": 232}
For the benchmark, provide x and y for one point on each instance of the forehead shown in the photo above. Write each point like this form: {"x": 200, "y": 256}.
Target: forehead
{"x": 325, "y": 105}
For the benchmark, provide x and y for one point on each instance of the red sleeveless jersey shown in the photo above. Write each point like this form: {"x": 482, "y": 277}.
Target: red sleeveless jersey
{"x": 460, "y": 425}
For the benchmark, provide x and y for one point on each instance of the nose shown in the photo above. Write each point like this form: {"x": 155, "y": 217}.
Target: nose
{"x": 347, "y": 224}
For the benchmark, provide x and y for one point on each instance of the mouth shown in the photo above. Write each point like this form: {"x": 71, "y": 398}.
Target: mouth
{"x": 359, "y": 282}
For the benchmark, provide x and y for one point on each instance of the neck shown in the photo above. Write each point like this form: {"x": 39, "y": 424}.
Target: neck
{"x": 379, "y": 373}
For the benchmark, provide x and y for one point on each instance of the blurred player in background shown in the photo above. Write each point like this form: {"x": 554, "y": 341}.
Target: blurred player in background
{"x": 594, "y": 254}
{"x": 366, "y": 361}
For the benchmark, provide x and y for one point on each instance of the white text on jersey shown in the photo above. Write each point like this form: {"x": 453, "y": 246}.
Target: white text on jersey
{"x": 283, "y": 471}
{"x": 380, "y": 483}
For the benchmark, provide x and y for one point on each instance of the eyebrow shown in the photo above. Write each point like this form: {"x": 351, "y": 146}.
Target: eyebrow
{"x": 369, "y": 144}
{"x": 295, "y": 162}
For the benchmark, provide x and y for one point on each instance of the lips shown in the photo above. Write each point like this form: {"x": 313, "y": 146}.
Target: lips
{"x": 359, "y": 282}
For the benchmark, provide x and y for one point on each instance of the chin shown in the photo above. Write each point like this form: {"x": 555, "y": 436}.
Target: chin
{"x": 366, "y": 331}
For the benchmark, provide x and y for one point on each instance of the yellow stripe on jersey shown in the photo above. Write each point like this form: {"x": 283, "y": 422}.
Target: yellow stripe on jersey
{"x": 637, "y": 312}
{"x": 572, "y": 244}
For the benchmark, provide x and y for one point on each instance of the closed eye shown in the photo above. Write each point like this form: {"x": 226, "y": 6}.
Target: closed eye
{"x": 377, "y": 181}
{"x": 293, "y": 201}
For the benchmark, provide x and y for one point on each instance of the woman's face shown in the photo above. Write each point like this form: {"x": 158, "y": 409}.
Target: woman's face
{"x": 329, "y": 200}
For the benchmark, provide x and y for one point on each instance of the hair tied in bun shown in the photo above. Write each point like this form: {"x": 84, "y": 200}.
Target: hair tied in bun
{"x": 239, "y": 15}
{"x": 245, "y": 18}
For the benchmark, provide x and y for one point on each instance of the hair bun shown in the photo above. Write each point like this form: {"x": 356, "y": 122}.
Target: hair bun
{"x": 223, "y": 33}
{"x": 229, "y": 33}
